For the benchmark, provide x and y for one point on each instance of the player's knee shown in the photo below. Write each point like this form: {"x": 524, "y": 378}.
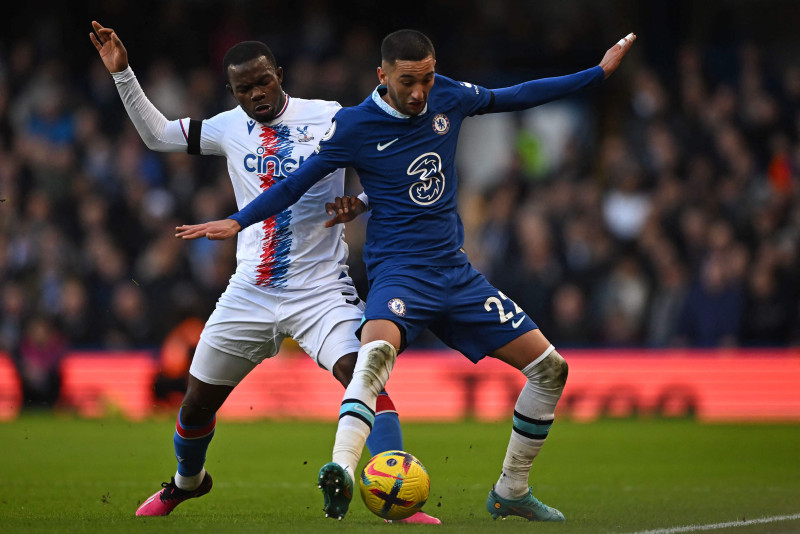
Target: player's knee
{"x": 552, "y": 371}
{"x": 560, "y": 368}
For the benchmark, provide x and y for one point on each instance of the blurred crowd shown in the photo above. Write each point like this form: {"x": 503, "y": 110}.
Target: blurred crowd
{"x": 661, "y": 209}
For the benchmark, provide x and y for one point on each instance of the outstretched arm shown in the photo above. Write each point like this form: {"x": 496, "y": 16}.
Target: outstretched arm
{"x": 536, "y": 92}
{"x": 271, "y": 202}
{"x": 155, "y": 130}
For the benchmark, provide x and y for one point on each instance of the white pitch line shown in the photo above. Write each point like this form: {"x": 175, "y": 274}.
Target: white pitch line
{"x": 715, "y": 526}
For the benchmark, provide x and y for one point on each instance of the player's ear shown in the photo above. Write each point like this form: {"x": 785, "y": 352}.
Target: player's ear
{"x": 229, "y": 88}
{"x": 382, "y": 76}
{"x": 279, "y": 74}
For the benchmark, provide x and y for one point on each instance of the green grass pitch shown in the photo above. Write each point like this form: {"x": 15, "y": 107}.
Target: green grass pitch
{"x": 63, "y": 474}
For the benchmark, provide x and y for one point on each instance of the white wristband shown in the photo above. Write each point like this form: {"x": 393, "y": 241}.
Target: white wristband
{"x": 364, "y": 198}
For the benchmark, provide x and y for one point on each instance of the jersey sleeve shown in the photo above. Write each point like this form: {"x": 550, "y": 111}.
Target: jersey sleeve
{"x": 472, "y": 99}
{"x": 156, "y": 131}
{"x": 285, "y": 193}
{"x": 212, "y": 134}
{"x": 333, "y": 152}
{"x": 338, "y": 146}
{"x": 536, "y": 92}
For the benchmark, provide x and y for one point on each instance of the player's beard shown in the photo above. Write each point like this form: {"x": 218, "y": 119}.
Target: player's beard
{"x": 401, "y": 105}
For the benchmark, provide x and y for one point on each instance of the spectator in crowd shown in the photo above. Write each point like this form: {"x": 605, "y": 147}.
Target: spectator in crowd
{"x": 697, "y": 154}
{"x": 40, "y": 351}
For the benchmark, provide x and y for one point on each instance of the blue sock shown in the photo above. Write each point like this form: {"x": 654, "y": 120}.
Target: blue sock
{"x": 191, "y": 444}
{"x": 386, "y": 433}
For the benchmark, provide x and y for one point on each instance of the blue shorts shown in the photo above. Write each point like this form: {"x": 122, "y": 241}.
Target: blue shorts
{"x": 456, "y": 303}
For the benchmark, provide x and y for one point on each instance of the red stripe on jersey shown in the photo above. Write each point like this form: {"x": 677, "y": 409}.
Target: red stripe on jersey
{"x": 268, "y": 246}
{"x": 195, "y": 433}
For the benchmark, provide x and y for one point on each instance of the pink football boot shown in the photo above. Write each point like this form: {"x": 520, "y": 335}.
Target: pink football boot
{"x": 165, "y": 500}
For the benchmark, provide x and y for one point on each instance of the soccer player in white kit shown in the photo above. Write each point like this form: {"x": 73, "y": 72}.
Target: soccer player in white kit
{"x": 291, "y": 277}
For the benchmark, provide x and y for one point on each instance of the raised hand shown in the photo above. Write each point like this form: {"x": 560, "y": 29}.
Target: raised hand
{"x": 213, "y": 230}
{"x": 615, "y": 54}
{"x": 344, "y": 209}
{"x": 110, "y": 48}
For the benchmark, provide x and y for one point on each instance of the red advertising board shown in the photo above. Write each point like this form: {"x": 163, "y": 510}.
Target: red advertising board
{"x": 741, "y": 385}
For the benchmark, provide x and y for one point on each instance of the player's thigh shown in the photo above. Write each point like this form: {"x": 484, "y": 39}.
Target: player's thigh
{"x": 323, "y": 321}
{"x": 245, "y": 323}
{"x": 524, "y": 350}
{"x": 213, "y": 366}
{"x": 481, "y": 319}
{"x": 409, "y": 297}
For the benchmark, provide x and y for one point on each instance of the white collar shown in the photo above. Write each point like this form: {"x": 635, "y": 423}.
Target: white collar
{"x": 381, "y": 103}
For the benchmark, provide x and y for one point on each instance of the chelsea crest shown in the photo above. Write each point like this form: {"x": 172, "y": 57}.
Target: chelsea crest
{"x": 441, "y": 124}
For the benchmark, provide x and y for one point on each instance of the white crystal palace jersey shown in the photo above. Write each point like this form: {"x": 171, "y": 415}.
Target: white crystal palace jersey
{"x": 292, "y": 249}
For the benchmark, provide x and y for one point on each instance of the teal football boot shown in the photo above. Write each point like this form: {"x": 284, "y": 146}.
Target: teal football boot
{"x": 337, "y": 489}
{"x": 528, "y": 507}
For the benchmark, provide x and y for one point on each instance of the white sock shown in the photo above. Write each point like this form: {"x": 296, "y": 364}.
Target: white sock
{"x": 374, "y": 364}
{"x": 350, "y": 439}
{"x": 513, "y": 481}
{"x": 190, "y": 483}
{"x": 533, "y": 415}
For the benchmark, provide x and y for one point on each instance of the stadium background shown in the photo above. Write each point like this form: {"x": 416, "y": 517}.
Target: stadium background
{"x": 658, "y": 212}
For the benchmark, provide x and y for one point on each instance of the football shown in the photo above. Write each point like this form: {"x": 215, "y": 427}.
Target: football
{"x": 394, "y": 485}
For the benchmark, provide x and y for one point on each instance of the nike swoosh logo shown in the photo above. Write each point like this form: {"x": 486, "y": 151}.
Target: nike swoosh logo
{"x": 517, "y": 322}
{"x": 521, "y": 513}
{"x": 381, "y": 147}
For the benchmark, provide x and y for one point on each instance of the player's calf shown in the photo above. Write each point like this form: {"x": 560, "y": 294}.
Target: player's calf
{"x": 533, "y": 417}
{"x": 357, "y": 413}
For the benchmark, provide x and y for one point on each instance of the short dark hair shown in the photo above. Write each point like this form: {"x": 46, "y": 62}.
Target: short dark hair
{"x": 408, "y": 45}
{"x": 245, "y": 51}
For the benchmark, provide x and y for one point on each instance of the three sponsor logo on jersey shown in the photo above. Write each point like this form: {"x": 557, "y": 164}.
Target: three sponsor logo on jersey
{"x": 427, "y": 167}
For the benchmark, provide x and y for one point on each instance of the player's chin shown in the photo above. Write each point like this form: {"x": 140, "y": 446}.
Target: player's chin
{"x": 414, "y": 108}
{"x": 265, "y": 114}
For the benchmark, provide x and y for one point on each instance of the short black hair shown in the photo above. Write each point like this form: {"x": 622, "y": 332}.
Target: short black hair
{"x": 407, "y": 45}
{"x": 245, "y": 51}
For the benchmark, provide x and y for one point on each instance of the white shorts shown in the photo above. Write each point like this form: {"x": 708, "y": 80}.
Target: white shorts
{"x": 251, "y": 322}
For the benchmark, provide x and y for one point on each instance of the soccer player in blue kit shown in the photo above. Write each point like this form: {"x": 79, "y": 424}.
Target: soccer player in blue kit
{"x": 402, "y": 141}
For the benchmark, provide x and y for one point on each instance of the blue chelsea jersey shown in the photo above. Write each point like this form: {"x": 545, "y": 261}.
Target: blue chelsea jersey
{"x": 407, "y": 168}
